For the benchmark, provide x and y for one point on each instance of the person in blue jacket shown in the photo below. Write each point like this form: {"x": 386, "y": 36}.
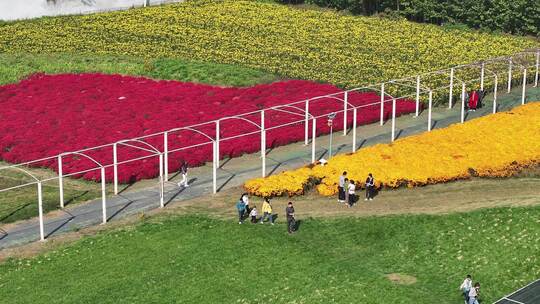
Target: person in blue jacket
{"x": 241, "y": 207}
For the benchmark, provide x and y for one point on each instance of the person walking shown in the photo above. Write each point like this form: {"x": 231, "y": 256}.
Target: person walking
{"x": 267, "y": 212}
{"x": 291, "y": 221}
{"x": 241, "y": 207}
{"x": 253, "y": 214}
{"x": 245, "y": 199}
{"x": 474, "y": 293}
{"x": 341, "y": 187}
{"x": 183, "y": 171}
{"x": 465, "y": 287}
{"x": 370, "y": 184}
{"x": 352, "y": 196}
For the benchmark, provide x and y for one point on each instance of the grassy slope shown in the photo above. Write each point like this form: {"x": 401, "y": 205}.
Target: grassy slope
{"x": 14, "y": 67}
{"x": 195, "y": 259}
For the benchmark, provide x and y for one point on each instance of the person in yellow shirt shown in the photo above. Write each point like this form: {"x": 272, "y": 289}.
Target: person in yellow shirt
{"x": 267, "y": 212}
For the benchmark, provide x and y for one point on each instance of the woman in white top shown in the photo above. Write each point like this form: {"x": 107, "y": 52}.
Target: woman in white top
{"x": 351, "y": 190}
{"x": 465, "y": 287}
{"x": 473, "y": 294}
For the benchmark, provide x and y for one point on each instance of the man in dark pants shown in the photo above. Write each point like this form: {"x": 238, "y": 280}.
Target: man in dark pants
{"x": 289, "y": 211}
{"x": 370, "y": 184}
{"x": 341, "y": 187}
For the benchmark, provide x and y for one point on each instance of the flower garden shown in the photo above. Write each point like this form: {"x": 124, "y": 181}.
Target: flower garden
{"x": 347, "y": 51}
{"x": 497, "y": 145}
{"x": 47, "y": 115}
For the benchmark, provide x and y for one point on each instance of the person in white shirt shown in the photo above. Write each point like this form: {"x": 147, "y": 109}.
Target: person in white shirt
{"x": 183, "y": 171}
{"x": 351, "y": 189}
{"x": 253, "y": 214}
{"x": 245, "y": 199}
{"x": 466, "y": 287}
{"x": 341, "y": 187}
{"x": 474, "y": 293}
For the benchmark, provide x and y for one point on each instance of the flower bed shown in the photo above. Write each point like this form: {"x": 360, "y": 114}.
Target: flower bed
{"x": 47, "y": 115}
{"x": 298, "y": 43}
{"x": 497, "y": 145}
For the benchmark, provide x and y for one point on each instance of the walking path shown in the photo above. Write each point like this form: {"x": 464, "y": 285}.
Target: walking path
{"x": 234, "y": 172}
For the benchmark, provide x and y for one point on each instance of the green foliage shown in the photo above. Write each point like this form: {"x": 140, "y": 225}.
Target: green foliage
{"x": 516, "y": 17}
{"x": 14, "y": 67}
{"x": 196, "y": 259}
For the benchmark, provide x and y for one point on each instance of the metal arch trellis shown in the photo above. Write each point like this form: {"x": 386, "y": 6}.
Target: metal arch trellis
{"x": 521, "y": 60}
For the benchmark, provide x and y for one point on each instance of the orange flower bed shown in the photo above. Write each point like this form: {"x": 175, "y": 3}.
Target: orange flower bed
{"x": 497, "y": 145}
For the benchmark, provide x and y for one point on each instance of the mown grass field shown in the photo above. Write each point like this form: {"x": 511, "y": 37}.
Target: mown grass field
{"x": 14, "y": 67}
{"x": 197, "y": 259}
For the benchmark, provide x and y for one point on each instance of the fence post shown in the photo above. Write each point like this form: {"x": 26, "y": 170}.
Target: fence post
{"x": 161, "y": 182}
{"x": 166, "y": 155}
{"x": 495, "y": 95}
{"x": 393, "y": 119}
{"x": 345, "y": 101}
{"x": 523, "y": 90}
{"x": 462, "y": 102}
{"x": 451, "y": 94}
{"x": 510, "y": 75}
{"x": 313, "y": 135}
{"x": 115, "y": 167}
{"x": 306, "y": 127}
{"x": 103, "y": 196}
{"x": 217, "y": 143}
{"x": 482, "y": 76}
{"x": 417, "y": 96}
{"x": 537, "y": 68}
{"x": 263, "y": 145}
{"x": 382, "y": 104}
{"x": 430, "y": 104}
{"x": 214, "y": 168}
{"x": 40, "y": 211}
{"x": 354, "y": 130}
{"x": 60, "y": 181}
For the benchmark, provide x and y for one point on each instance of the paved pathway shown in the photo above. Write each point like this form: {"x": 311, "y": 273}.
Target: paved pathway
{"x": 233, "y": 172}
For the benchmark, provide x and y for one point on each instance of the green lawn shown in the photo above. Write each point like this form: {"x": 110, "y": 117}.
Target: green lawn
{"x": 196, "y": 259}
{"x": 14, "y": 67}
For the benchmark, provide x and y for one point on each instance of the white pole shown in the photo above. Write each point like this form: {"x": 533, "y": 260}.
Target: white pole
{"x": 60, "y": 181}
{"x": 523, "y": 90}
{"x": 382, "y": 104}
{"x": 510, "y": 76}
{"x": 214, "y": 169}
{"x": 40, "y": 210}
{"x": 306, "y": 127}
{"x": 263, "y": 145}
{"x": 462, "y": 102}
{"x": 103, "y": 196}
{"x": 354, "y": 130}
{"x": 161, "y": 182}
{"x": 313, "y": 135}
{"x": 482, "y": 72}
{"x": 115, "y": 167}
{"x": 166, "y": 155}
{"x": 451, "y": 94}
{"x": 417, "y": 96}
{"x": 345, "y": 101}
{"x": 393, "y": 119}
{"x": 217, "y": 143}
{"x": 430, "y": 104}
{"x": 495, "y": 95}
{"x": 537, "y": 68}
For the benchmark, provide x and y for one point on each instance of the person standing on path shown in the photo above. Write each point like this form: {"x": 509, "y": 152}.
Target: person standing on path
{"x": 465, "y": 287}
{"x": 474, "y": 293}
{"x": 370, "y": 184}
{"x": 346, "y": 190}
{"x": 241, "y": 207}
{"x": 291, "y": 221}
{"x": 341, "y": 187}
{"x": 253, "y": 214}
{"x": 351, "y": 189}
{"x": 183, "y": 171}
{"x": 267, "y": 212}
{"x": 245, "y": 199}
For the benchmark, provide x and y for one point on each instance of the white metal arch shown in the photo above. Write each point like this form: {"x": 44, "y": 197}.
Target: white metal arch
{"x": 241, "y": 118}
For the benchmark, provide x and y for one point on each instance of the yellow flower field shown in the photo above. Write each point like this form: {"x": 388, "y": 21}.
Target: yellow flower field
{"x": 497, "y": 145}
{"x": 298, "y": 43}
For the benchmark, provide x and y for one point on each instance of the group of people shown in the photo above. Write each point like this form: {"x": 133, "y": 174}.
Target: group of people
{"x": 244, "y": 211}
{"x": 470, "y": 292}
{"x": 347, "y": 189}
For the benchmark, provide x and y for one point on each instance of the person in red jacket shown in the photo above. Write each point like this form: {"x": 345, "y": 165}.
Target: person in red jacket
{"x": 473, "y": 100}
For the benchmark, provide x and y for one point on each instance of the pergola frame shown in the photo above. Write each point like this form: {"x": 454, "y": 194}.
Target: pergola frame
{"x": 302, "y": 109}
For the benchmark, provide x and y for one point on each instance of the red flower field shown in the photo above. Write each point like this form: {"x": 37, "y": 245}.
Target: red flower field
{"x": 45, "y": 115}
